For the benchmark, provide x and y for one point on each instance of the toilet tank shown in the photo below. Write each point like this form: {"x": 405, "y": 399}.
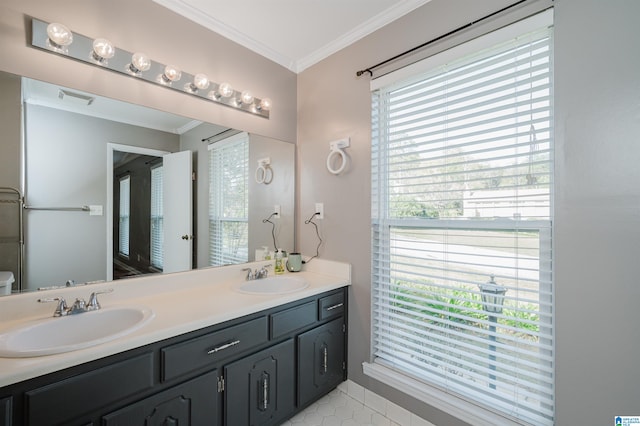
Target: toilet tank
{"x": 6, "y": 279}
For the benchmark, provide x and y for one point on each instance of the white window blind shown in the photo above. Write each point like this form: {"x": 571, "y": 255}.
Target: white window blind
{"x": 157, "y": 224}
{"x": 229, "y": 201}
{"x": 461, "y": 196}
{"x": 125, "y": 207}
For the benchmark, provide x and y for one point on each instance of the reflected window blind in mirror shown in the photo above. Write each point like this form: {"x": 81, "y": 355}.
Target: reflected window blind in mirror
{"x": 229, "y": 201}
{"x": 157, "y": 228}
{"x": 123, "y": 231}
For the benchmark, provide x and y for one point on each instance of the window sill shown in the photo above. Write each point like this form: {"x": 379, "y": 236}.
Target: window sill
{"x": 452, "y": 405}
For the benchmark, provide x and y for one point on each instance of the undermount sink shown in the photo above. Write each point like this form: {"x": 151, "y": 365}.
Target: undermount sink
{"x": 65, "y": 334}
{"x": 272, "y": 285}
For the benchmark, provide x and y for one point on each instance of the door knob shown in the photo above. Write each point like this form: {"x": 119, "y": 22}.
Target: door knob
{"x": 186, "y": 237}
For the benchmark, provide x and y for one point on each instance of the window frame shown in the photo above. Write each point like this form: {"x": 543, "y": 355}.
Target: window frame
{"x": 381, "y": 226}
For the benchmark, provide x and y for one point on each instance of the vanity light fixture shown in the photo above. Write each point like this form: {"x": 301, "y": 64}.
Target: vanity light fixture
{"x": 225, "y": 90}
{"x": 103, "y": 50}
{"x": 246, "y": 97}
{"x": 170, "y": 75}
{"x": 264, "y": 105}
{"x": 139, "y": 63}
{"x": 58, "y": 38}
{"x": 200, "y": 81}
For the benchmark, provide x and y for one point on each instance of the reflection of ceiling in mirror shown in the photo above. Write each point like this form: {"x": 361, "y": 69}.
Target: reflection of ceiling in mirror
{"x": 58, "y": 97}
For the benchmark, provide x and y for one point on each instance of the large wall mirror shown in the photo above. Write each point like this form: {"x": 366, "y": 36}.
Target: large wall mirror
{"x": 114, "y": 190}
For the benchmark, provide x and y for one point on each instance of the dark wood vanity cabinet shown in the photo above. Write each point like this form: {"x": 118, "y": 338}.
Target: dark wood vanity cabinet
{"x": 260, "y": 389}
{"x": 192, "y": 403}
{"x": 321, "y": 360}
{"x": 256, "y": 370}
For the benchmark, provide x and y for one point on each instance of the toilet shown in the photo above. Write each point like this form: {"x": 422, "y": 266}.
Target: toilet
{"x": 6, "y": 279}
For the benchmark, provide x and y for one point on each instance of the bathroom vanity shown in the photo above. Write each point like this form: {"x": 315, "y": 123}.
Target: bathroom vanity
{"x": 259, "y": 362}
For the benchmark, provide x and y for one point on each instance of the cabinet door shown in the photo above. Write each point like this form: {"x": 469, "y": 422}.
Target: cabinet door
{"x": 260, "y": 389}
{"x": 193, "y": 403}
{"x": 6, "y": 411}
{"x": 321, "y": 360}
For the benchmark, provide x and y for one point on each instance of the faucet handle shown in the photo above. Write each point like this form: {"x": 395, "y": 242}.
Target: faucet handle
{"x": 93, "y": 304}
{"x": 250, "y": 273}
{"x": 263, "y": 272}
{"x": 61, "y": 309}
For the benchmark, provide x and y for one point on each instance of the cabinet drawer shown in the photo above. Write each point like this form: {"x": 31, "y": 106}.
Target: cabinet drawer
{"x": 71, "y": 398}
{"x": 292, "y": 319}
{"x": 331, "y": 306}
{"x": 196, "y": 353}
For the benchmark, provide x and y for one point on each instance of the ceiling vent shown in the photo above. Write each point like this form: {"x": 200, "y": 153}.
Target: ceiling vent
{"x": 75, "y": 98}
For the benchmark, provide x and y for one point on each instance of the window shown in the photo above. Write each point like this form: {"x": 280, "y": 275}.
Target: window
{"x": 461, "y": 209}
{"x": 157, "y": 224}
{"x": 123, "y": 229}
{"x": 229, "y": 201}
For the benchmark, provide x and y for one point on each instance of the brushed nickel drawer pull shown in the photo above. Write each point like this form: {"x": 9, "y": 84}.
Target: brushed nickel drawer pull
{"x": 265, "y": 392}
{"x": 223, "y": 347}
{"x": 331, "y": 308}
{"x": 325, "y": 360}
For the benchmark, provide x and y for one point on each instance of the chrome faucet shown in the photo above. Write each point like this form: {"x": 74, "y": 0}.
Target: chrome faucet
{"x": 78, "y": 307}
{"x": 258, "y": 273}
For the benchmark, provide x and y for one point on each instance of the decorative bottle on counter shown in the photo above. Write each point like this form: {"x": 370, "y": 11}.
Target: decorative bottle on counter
{"x": 279, "y": 268}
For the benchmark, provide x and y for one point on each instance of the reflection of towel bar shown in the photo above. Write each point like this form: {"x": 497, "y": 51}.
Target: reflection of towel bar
{"x": 63, "y": 209}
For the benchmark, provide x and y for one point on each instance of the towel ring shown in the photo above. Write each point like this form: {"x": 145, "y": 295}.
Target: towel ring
{"x": 264, "y": 174}
{"x": 343, "y": 161}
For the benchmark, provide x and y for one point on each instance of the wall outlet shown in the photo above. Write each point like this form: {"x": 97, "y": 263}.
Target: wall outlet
{"x": 95, "y": 210}
{"x": 276, "y": 210}
{"x": 320, "y": 210}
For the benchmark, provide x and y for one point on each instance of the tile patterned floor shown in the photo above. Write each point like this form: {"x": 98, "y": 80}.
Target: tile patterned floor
{"x": 340, "y": 409}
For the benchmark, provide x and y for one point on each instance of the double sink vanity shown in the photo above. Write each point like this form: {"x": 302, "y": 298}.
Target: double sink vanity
{"x": 204, "y": 347}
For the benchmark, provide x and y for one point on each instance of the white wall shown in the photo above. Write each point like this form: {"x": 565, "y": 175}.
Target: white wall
{"x": 597, "y": 226}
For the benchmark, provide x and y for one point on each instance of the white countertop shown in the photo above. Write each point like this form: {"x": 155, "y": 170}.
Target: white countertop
{"x": 182, "y": 302}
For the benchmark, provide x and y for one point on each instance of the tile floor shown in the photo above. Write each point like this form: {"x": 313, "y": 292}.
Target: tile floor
{"x": 340, "y": 409}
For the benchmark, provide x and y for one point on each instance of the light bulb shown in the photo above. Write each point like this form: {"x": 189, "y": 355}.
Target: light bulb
{"x": 139, "y": 63}
{"x": 265, "y": 104}
{"x": 225, "y": 90}
{"x": 59, "y": 35}
{"x": 171, "y": 74}
{"x": 103, "y": 49}
{"x": 246, "y": 97}
{"x": 201, "y": 81}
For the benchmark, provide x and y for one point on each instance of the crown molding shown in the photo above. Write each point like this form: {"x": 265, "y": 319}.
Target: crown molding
{"x": 296, "y": 65}
{"x": 391, "y": 14}
{"x": 219, "y": 27}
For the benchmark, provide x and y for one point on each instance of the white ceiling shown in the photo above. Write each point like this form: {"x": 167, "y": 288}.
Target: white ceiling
{"x": 293, "y": 33}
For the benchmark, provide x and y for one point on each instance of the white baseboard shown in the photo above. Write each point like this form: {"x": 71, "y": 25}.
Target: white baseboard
{"x": 396, "y": 414}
